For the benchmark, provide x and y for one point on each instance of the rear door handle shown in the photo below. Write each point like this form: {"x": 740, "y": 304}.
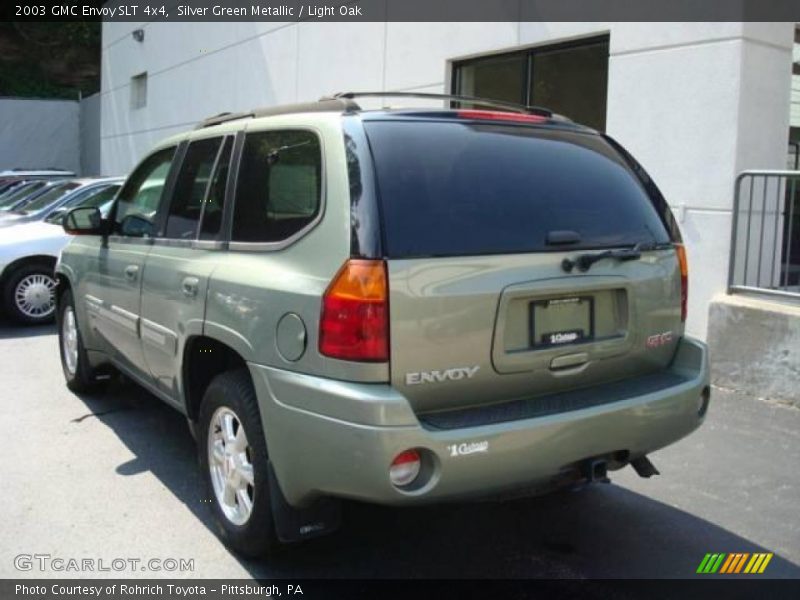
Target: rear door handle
{"x": 131, "y": 272}
{"x": 189, "y": 286}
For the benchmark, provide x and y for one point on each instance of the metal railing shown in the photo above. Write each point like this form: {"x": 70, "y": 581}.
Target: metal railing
{"x": 765, "y": 237}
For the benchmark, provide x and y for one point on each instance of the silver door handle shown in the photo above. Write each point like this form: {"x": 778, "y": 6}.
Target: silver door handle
{"x": 189, "y": 286}
{"x": 131, "y": 272}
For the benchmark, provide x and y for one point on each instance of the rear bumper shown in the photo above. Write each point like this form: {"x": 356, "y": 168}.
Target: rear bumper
{"x": 332, "y": 438}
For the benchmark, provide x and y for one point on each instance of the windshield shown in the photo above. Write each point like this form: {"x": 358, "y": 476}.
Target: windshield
{"x": 49, "y": 197}
{"x": 465, "y": 188}
{"x": 97, "y": 197}
{"x": 7, "y": 186}
{"x": 19, "y": 193}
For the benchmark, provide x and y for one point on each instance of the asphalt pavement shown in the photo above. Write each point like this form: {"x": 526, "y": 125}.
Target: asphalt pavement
{"x": 115, "y": 476}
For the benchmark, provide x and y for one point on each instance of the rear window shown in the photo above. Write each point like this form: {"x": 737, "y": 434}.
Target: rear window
{"x": 471, "y": 188}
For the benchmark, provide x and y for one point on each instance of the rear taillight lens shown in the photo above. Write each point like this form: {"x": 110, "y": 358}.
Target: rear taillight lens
{"x": 684, "y": 266}
{"x": 355, "y": 313}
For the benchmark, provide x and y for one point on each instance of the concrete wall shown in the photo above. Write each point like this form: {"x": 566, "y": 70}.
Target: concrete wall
{"x": 90, "y": 135}
{"x": 50, "y": 133}
{"x": 755, "y": 346}
{"x": 695, "y": 102}
{"x": 39, "y": 133}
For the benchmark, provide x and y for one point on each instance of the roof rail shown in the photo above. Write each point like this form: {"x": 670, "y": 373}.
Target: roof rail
{"x": 323, "y": 105}
{"x": 534, "y": 110}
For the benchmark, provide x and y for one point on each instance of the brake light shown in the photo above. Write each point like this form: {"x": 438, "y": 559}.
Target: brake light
{"x": 496, "y": 115}
{"x": 355, "y": 313}
{"x": 684, "y": 266}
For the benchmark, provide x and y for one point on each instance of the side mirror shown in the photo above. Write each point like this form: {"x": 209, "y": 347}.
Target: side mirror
{"x": 84, "y": 220}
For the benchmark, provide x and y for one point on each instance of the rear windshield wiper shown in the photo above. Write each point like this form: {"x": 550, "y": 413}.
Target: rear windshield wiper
{"x": 585, "y": 261}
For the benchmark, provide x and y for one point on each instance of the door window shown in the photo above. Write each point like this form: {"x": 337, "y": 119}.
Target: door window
{"x": 138, "y": 201}
{"x": 191, "y": 188}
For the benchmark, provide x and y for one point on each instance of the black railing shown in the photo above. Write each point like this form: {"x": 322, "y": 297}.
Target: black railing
{"x": 765, "y": 241}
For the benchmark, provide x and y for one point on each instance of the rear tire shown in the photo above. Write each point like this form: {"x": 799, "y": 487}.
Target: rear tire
{"x": 29, "y": 294}
{"x": 74, "y": 362}
{"x": 234, "y": 462}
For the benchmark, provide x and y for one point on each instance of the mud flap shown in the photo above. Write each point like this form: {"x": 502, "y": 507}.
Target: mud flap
{"x": 644, "y": 468}
{"x": 298, "y": 524}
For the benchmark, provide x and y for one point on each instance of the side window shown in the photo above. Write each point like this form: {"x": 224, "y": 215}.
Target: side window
{"x": 211, "y": 225}
{"x": 138, "y": 200}
{"x": 279, "y": 185}
{"x": 190, "y": 189}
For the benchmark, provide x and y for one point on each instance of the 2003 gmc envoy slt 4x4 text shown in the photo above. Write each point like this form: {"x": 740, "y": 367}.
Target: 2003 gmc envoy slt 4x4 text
{"x": 397, "y": 306}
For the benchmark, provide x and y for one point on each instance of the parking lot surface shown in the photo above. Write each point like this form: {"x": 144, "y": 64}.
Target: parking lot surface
{"x": 114, "y": 476}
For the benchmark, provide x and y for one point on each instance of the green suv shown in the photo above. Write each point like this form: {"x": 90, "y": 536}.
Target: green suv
{"x": 395, "y": 306}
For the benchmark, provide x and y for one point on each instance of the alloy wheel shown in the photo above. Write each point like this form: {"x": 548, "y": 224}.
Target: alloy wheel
{"x": 230, "y": 465}
{"x": 69, "y": 340}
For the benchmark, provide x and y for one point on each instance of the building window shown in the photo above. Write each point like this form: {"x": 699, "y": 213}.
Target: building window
{"x": 139, "y": 90}
{"x": 570, "y": 79}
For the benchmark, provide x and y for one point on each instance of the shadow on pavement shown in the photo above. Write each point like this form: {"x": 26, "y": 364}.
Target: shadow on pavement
{"x": 10, "y": 329}
{"x": 603, "y": 531}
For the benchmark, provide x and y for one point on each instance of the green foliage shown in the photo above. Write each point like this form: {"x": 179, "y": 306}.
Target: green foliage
{"x": 49, "y": 60}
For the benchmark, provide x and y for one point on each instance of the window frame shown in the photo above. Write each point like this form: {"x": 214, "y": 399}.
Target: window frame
{"x": 166, "y": 201}
{"x": 236, "y": 163}
{"x": 163, "y": 212}
{"x": 528, "y": 72}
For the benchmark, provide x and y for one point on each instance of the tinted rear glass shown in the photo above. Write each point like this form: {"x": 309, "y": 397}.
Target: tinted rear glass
{"x": 471, "y": 188}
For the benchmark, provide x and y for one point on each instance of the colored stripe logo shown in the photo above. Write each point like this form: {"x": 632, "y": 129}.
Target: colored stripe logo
{"x": 734, "y": 563}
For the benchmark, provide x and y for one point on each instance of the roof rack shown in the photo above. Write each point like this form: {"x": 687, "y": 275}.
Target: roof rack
{"x": 324, "y": 105}
{"x": 521, "y": 108}
{"x": 344, "y": 102}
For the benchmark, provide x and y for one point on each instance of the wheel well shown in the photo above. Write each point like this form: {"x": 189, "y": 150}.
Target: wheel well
{"x": 203, "y": 359}
{"x": 38, "y": 259}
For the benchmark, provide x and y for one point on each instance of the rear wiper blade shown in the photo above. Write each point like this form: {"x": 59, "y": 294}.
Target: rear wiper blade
{"x": 585, "y": 261}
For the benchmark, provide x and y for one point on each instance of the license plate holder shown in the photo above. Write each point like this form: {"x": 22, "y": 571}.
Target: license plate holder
{"x": 561, "y": 321}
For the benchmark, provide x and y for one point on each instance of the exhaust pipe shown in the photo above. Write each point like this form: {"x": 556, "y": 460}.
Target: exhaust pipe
{"x": 644, "y": 468}
{"x": 595, "y": 471}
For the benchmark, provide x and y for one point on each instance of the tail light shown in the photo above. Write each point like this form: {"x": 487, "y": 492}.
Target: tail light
{"x": 684, "y": 266}
{"x": 355, "y": 313}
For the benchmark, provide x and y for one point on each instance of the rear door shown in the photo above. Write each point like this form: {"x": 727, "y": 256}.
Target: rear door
{"x": 478, "y": 219}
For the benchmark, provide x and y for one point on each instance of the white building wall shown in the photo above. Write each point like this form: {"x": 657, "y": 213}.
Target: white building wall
{"x": 694, "y": 102}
